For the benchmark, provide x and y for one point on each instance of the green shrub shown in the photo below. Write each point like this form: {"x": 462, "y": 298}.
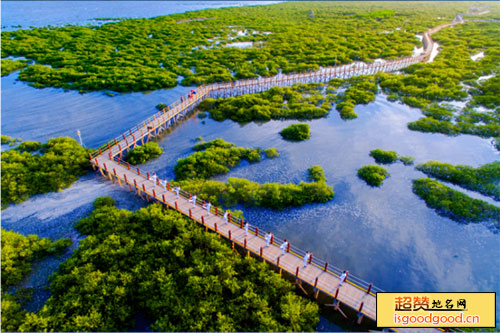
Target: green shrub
{"x": 271, "y": 152}
{"x": 9, "y": 66}
{"x": 143, "y": 153}
{"x": 57, "y": 165}
{"x": 296, "y": 132}
{"x": 104, "y": 201}
{"x": 6, "y": 139}
{"x": 213, "y": 158}
{"x": 373, "y": 175}
{"x": 161, "y": 106}
{"x": 407, "y": 160}
{"x": 29, "y": 146}
{"x": 454, "y": 204}
{"x": 384, "y": 156}
{"x": 484, "y": 179}
{"x": 316, "y": 174}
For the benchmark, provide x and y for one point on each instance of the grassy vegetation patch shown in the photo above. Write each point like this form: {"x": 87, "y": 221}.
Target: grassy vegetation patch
{"x": 373, "y": 175}
{"x": 9, "y": 66}
{"x": 454, "y": 204}
{"x": 144, "y": 153}
{"x": 296, "y": 132}
{"x": 301, "y": 101}
{"x": 389, "y": 157}
{"x": 484, "y": 179}
{"x": 34, "y": 168}
{"x": 18, "y": 254}
{"x": 111, "y": 56}
{"x": 214, "y": 158}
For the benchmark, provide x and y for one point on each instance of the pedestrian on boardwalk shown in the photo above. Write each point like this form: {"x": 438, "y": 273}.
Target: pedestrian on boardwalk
{"x": 225, "y": 216}
{"x": 154, "y": 178}
{"x": 342, "y": 277}
{"x": 268, "y": 238}
{"x": 246, "y": 229}
{"x": 163, "y": 183}
{"x": 193, "y": 200}
{"x": 177, "y": 189}
{"x": 283, "y": 247}
{"x": 207, "y": 206}
{"x": 306, "y": 258}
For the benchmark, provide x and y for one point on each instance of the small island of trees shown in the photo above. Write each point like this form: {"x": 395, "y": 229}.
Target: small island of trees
{"x": 33, "y": 168}
{"x": 218, "y": 157}
{"x": 296, "y": 132}
{"x": 373, "y": 175}
{"x": 454, "y": 204}
{"x": 143, "y": 153}
{"x": 389, "y": 157}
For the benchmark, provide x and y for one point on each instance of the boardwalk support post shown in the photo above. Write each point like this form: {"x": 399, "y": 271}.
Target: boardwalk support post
{"x": 360, "y": 314}
{"x": 369, "y": 288}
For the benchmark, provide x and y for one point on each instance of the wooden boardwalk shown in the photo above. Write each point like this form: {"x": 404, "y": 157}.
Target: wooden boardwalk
{"x": 314, "y": 274}
{"x": 323, "y": 278}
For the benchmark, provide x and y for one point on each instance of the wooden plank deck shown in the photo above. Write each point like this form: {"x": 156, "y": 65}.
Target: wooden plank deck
{"x": 349, "y": 293}
{"x": 328, "y": 282}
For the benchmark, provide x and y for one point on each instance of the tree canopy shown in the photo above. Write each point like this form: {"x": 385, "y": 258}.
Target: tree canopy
{"x": 34, "y": 168}
{"x": 161, "y": 264}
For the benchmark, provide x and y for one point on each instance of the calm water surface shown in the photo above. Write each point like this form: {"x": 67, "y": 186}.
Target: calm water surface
{"x": 386, "y": 235}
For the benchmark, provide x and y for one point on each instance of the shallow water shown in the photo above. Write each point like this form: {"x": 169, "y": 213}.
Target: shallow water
{"x": 386, "y": 235}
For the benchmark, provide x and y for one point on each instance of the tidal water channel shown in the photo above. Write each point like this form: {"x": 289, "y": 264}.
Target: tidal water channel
{"x": 384, "y": 235}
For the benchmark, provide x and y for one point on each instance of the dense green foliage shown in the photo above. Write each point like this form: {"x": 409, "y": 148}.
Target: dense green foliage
{"x": 453, "y": 76}
{"x": 271, "y": 152}
{"x": 9, "y": 66}
{"x": 143, "y": 153}
{"x": 194, "y": 44}
{"x": 384, "y": 156}
{"x": 296, "y": 132}
{"x": 270, "y": 195}
{"x": 18, "y": 254}
{"x": 213, "y": 158}
{"x": 389, "y": 157}
{"x": 373, "y": 175}
{"x": 316, "y": 174}
{"x": 301, "y": 101}
{"x": 8, "y": 140}
{"x": 485, "y": 179}
{"x": 218, "y": 157}
{"x": 19, "y": 251}
{"x": 454, "y": 204}
{"x": 161, "y": 264}
{"x": 360, "y": 90}
{"x": 53, "y": 166}
{"x": 487, "y": 93}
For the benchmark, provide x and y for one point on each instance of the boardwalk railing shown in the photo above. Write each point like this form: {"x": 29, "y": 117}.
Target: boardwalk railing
{"x": 299, "y": 253}
{"x": 112, "y": 152}
{"x": 180, "y": 108}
